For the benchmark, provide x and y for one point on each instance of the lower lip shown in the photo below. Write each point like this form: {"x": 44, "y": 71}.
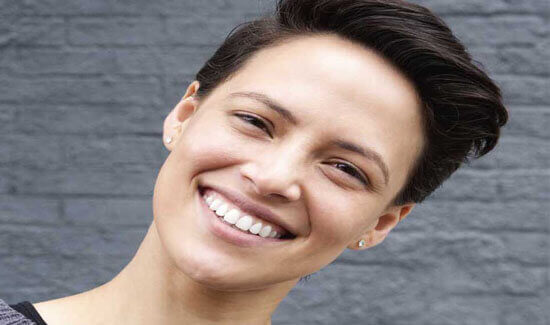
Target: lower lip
{"x": 226, "y": 232}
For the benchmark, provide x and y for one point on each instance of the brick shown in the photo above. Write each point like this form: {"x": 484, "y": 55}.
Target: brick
{"x": 75, "y": 242}
{"x": 514, "y": 60}
{"x": 422, "y": 249}
{"x": 57, "y": 7}
{"x": 7, "y": 118}
{"x": 467, "y": 249}
{"x": 523, "y": 30}
{"x": 115, "y": 31}
{"x": 37, "y": 152}
{"x": 138, "y": 7}
{"x": 525, "y": 184}
{"x": 109, "y": 61}
{"x": 524, "y": 90}
{"x": 459, "y": 186}
{"x": 128, "y": 181}
{"x": 336, "y": 295}
{"x": 175, "y": 60}
{"x": 527, "y": 248}
{"x": 63, "y": 61}
{"x": 470, "y": 310}
{"x": 493, "y": 279}
{"x": 5, "y": 244}
{"x": 6, "y": 183}
{"x": 6, "y": 59}
{"x": 511, "y": 153}
{"x": 213, "y": 30}
{"x": 526, "y": 121}
{"x": 487, "y": 162}
{"x": 28, "y": 210}
{"x": 108, "y": 151}
{"x": 476, "y": 7}
{"x": 91, "y": 90}
{"x": 99, "y": 119}
{"x": 39, "y": 293}
{"x": 524, "y": 310}
{"x": 31, "y": 31}
{"x": 6, "y": 31}
{"x": 40, "y": 31}
{"x": 175, "y": 87}
{"x": 59, "y": 272}
{"x": 244, "y": 8}
{"x": 448, "y": 216}
{"x": 117, "y": 212}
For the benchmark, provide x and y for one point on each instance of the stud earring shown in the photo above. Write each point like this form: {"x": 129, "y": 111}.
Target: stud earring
{"x": 361, "y": 243}
{"x": 168, "y": 139}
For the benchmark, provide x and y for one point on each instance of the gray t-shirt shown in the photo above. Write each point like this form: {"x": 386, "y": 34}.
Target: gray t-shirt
{"x": 10, "y": 316}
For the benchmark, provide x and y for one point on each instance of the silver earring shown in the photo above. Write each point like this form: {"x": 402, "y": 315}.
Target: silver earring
{"x": 168, "y": 139}
{"x": 361, "y": 243}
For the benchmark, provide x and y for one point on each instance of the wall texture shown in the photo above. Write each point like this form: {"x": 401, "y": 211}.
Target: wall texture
{"x": 84, "y": 88}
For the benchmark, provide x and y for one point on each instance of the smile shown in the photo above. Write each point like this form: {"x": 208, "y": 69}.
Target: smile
{"x": 229, "y": 223}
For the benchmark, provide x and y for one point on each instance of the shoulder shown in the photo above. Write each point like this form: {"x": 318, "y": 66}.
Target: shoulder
{"x": 10, "y": 316}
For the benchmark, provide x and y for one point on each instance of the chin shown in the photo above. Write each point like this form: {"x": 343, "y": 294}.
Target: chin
{"x": 218, "y": 271}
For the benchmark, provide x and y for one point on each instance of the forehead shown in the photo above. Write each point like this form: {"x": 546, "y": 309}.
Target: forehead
{"x": 335, "y": 86}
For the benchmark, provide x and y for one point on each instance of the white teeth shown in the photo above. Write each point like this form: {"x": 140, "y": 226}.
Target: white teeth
{"x": 244, "y": 223}
{"x": 215, "y": 204}
{"x": 256, "y": 228}
{"x": 265, "y": 231}
{"x": 231, "y": 216}
{"x": 222, "y": 210}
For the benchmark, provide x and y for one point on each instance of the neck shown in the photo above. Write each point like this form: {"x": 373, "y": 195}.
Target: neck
{"x": 152, "y": 290}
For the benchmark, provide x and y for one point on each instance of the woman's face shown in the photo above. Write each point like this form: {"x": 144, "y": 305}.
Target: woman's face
{"x": 327, "y": 196}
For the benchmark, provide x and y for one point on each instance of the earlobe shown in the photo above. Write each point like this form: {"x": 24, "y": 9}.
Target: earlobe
{"x": 384, "y": 224}
{"x": 175, "y": 121}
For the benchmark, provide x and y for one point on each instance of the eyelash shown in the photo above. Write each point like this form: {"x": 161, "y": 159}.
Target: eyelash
{"x": 244, "y": 116}
{"x": 355, "y": 173}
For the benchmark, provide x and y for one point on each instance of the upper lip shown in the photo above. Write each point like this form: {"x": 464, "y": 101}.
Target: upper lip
{"x": 249, "y": 206}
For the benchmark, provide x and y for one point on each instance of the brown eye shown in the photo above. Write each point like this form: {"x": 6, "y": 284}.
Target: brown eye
{"x": 254, "y": 121}
{"x": 350, "y": 170}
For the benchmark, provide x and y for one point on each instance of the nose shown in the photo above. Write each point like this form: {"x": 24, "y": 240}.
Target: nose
{"x": 274, "y": 173}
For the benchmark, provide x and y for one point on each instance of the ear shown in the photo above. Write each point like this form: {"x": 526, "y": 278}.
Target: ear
{"x": 384, "y": 224}
{"x": 175, "y": 121}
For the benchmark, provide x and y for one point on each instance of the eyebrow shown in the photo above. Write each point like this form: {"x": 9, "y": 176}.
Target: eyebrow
{"x": 269, "y": 102}
{"x": 366, "y": 152}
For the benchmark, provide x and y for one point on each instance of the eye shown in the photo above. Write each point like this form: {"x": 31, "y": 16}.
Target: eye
{"x": 352, "y": 171}
{"x": 254, "y": 121}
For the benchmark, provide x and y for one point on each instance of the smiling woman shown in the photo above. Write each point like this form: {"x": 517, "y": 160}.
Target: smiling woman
{"x": 308, "y": 132}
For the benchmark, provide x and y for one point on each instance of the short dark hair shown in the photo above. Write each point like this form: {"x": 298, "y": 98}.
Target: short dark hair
{"x": 462, "y": 107}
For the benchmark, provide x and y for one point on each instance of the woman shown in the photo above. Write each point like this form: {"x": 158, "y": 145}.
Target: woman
{"x": 307, "y": 133}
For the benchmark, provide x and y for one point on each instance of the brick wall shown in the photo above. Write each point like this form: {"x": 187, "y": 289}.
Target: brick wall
{"x": 84, "y": 88}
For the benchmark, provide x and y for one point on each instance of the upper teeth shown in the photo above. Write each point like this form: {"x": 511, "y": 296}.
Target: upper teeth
{"x": 238, "y": 219}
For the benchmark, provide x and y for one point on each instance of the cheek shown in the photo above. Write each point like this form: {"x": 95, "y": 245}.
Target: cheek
{"x": 334, "y": 224}
{"x": 203, "y": 146}
{"x": 337, "y": 221}
{"x": 212, "y": 144}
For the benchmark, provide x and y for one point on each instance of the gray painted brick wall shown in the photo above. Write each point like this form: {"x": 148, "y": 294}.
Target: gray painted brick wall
{"x": 84, "y": 88}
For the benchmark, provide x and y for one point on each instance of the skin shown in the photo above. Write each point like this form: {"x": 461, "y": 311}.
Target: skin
{"x": 184, "y": 274}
